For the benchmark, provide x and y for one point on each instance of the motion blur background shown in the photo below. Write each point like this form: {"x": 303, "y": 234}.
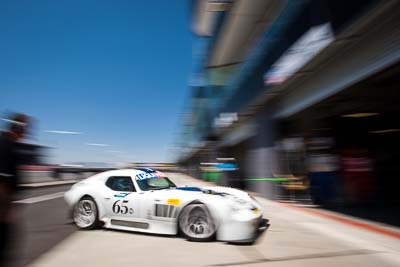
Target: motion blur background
{"x": 296, "y": 100}
{"x": 301, "y": 96}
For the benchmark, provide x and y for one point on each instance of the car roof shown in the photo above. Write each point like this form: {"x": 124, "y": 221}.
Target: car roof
{"x": 127, "y": 172}
{"x": 102, "y": 176}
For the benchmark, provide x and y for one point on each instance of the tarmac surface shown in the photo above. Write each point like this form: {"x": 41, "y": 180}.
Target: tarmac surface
{"x": 298, "y": 236}
{"x": 42, "y": 222}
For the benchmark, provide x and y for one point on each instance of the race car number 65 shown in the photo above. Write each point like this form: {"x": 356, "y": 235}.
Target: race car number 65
{"x": 119, "y": 207}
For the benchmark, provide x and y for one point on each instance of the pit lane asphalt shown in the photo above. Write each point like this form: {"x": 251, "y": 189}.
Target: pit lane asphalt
{"x": 39, "y": 226}
{"x": 295, "y": 238}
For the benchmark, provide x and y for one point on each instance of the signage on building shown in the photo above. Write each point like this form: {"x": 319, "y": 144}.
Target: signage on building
{"x": 225, "y": 119}
{"x": 301, "y": 52}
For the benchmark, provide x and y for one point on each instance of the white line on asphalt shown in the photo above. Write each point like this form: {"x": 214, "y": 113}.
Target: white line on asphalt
{"x": 44, "y": 184}
{"x": 40, "y": 198}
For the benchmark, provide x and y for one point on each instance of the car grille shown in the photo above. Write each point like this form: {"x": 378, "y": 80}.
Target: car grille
{"x": 168, "y": 211}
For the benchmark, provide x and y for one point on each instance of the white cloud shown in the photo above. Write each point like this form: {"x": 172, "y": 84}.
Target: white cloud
{"x": 116, "y": 151}
{"x": 12, "y": 121}
{"x": 62, "y": 132}
{"x": 97, "y": 144}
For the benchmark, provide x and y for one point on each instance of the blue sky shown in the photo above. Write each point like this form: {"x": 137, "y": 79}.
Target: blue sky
{"x": 117, "y": 71}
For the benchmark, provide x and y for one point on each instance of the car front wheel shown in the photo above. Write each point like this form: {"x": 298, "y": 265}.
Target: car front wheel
{"x": 196, "y": 224}
{"x": 85, "y": 213}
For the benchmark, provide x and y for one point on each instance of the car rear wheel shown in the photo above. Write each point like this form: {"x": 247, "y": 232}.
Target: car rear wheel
{"x": 196, "y": 224}
{"x": 85, "y": 213}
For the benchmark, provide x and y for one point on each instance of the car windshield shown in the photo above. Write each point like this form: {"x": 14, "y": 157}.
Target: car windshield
{"x": 155, "y": 184}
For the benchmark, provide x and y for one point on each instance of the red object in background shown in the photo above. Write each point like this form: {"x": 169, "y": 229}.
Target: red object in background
{"x": 34, "y": 168}
{"x": 345, "y": 220}
{"x": 357, "y": 175}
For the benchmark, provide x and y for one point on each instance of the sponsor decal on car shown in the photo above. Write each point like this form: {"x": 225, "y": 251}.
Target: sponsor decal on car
{"x": 189, "y": 188}
{"x": 120, "y": 207}
{"x": 121, "y": 195}
{"x": 149, "y": 175}
{"x": 173, "y": 201}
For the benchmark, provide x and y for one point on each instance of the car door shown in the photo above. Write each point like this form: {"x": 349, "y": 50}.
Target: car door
{"x": 122, "y": 201}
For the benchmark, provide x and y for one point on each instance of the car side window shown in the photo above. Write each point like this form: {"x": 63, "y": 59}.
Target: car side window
{"x": 120, "y": 183}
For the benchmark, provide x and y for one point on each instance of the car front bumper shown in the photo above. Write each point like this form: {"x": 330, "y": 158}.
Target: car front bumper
{"x": 243, "y": 231}
{"x": 262, "y": 227}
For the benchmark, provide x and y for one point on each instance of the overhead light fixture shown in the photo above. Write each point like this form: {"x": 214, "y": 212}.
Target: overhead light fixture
{"x": 218, "y": 5}
{"x": 385, "y": 131}
{"x": 360, "y": 115}
{"x": 225, "y": 159}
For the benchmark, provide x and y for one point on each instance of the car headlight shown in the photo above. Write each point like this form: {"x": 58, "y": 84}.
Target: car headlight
{"x": 241, "y": 204}
{"x": 256, "y": 210}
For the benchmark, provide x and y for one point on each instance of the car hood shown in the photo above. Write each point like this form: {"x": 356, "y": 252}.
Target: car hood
{"x": 191, "y": 192}
{"x": 215, "y": 190}
{"x": 215, "y": 197}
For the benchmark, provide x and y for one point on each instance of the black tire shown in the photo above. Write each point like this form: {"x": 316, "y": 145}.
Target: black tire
{"x": 195, "y": 223}
{"x": 81, "y": 211}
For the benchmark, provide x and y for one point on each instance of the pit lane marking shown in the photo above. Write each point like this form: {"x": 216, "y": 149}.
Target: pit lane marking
{"x": 332, "y": 254}
{"x": 33, "y": 200}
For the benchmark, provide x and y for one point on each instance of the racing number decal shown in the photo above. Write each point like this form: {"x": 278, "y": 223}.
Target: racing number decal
{"x": 119, "y": 207}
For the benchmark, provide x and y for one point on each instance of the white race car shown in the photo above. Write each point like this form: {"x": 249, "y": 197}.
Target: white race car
{"x": 145, "y": 200}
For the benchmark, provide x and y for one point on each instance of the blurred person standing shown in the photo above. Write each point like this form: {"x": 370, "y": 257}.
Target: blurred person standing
{"x": 9, "y": 159}
{"x": 323, "y": 166}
